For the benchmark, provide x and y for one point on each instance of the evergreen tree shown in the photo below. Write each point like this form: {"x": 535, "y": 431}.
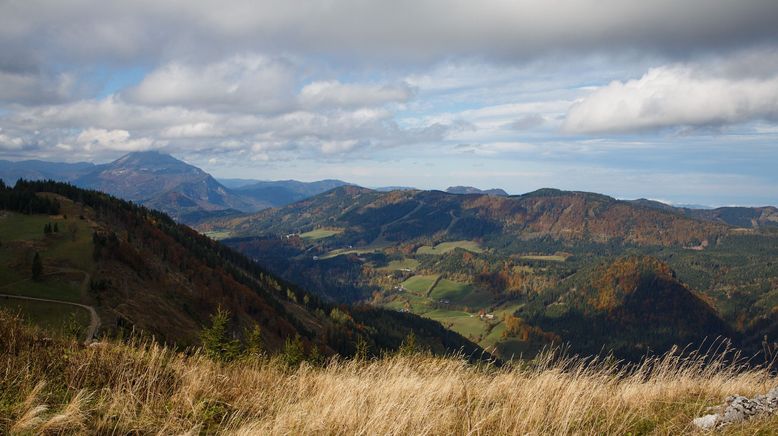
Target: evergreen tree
{"x": 409, "y": 345}
{"x": 254, "y": 345}
{"x": 216, "y": 340}
{"x": 56, "y": 228}
{"x": 362, "y": 349}
{"x": 37, "y": 267}
{"x": 47, "y": 229}
{"x": 294, "y": 352}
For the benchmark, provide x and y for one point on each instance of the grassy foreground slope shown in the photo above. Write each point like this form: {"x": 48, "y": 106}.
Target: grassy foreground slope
{"x": 61, "y": 387}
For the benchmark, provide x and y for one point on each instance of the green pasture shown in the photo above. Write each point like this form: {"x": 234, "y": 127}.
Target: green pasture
{"x": 446, "y": 247}
{"x": 317, "y": 234}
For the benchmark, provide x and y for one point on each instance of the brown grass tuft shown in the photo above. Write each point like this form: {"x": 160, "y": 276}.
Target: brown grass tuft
{"x": 143, "y": 388}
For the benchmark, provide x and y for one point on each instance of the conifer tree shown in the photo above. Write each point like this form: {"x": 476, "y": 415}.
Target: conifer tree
{"x": 254, "y": 345}
{"x": 216, "y": 340}
{"x": 37, "y": 267}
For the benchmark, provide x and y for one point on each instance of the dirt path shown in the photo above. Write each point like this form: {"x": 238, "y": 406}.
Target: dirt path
{"x": 94, "y": 321}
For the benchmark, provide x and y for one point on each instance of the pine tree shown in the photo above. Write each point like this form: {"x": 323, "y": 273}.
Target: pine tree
{"x": 37, "y": 267}
{"x": 56, "y": 228}
{"x": 254, "y": 345}
{"x": 216, "y": 340}
{"x": 409, "y": 346}
{"x": 294, "y": 352}
{"x": 362, "y": 349}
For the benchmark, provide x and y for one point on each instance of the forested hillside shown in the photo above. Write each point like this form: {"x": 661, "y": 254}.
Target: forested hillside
{"x": 518, "y": 273}
{"x": 145, "y": 273}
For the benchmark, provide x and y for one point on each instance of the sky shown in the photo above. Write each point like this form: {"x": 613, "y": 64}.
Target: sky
{"x": 667, "y": 100}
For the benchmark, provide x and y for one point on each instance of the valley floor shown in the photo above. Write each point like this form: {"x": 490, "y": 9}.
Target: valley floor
{"x": 59, "y": 386}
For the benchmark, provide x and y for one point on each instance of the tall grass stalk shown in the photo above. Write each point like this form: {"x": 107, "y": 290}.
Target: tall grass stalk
{"x": 142, "y": 388}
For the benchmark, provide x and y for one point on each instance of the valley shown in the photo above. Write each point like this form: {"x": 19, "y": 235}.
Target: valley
{"x": 505, "y": 272}
{"x": 515, "y": 274}
{"x": 340, "y": 217}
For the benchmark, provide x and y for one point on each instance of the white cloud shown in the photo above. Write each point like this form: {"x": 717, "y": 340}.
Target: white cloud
{"x": 111, "y": 124}
{"x": 672, "y": 96}
{"x": 243, "y": 82}
{"x": 10, "y": 143}
{"x": 192, "y": 130}
{"x": 118, "y": 140}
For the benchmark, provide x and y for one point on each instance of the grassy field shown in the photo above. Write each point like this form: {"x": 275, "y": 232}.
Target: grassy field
{"x": 404, "y": 263}
{"x": 419, "y": 284}
{"x": 56, "y": 318}
{"x": 73, "y": 245}
{"x": 19, "y": 227}
{"x": 66, "y": 255}
{"x": 342, "y": 251}
{"x": 317, "y": 234}
{"x": 122, "y": 388}
{"x": 450, "y": 290}
{"x": 466, "y": 324}
{"x": 51, "y": 288}
{"x": 413, "y": 302}
{"x": 445, "y": 247}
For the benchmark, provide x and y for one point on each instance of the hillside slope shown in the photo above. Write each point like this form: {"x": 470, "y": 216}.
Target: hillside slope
{"x": 631, "y": 306}
{"x": 143, "y": 271}
{"x": 282, "y": 192}
{"x": 488, "y": 266}
{"x": 160, "y": 181}
{"x": 165, "y": 183}
{"x": 399, "y": 216}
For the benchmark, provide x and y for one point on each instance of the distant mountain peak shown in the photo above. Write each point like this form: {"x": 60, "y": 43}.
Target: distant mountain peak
{"x": 152, "y": 158}
{"x": 472, "y": 190}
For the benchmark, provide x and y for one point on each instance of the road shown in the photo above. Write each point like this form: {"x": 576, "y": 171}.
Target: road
{"x": 94, "y": 321}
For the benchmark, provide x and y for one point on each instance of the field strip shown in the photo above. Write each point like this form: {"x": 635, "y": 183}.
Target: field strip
{"x": 432, "y": 286}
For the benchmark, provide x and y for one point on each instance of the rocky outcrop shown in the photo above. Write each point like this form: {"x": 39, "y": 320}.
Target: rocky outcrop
{"x": 738, "y": 409}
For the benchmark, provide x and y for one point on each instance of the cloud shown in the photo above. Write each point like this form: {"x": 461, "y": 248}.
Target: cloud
{"x": 33, "y": 88}
{"x": 405, "y": 30}
{"x": 527, "y": 122}
{"x": 245, "y": 82}
{"x": 119, "y": 140}
{"x": 105, "y": 126}
{"x": 10, "y": 143}
{"x": 334, "y": 93}
{"x": 675, "y": 96}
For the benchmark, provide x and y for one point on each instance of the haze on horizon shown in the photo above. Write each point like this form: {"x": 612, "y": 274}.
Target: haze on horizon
{"x": 664, "y": 100}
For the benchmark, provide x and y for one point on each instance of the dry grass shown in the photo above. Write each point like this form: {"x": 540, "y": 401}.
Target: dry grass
{"x": 118, "y": 388}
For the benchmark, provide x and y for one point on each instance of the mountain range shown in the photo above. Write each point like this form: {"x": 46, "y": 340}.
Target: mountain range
{"x": 473, "y": 190}
{"x": 516, "y": 273}
{"x": 142, "y": 272}
{"x": 191, "y": 195}
{"x": 511, "y": 273}
{"x": 162, "y": 182}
